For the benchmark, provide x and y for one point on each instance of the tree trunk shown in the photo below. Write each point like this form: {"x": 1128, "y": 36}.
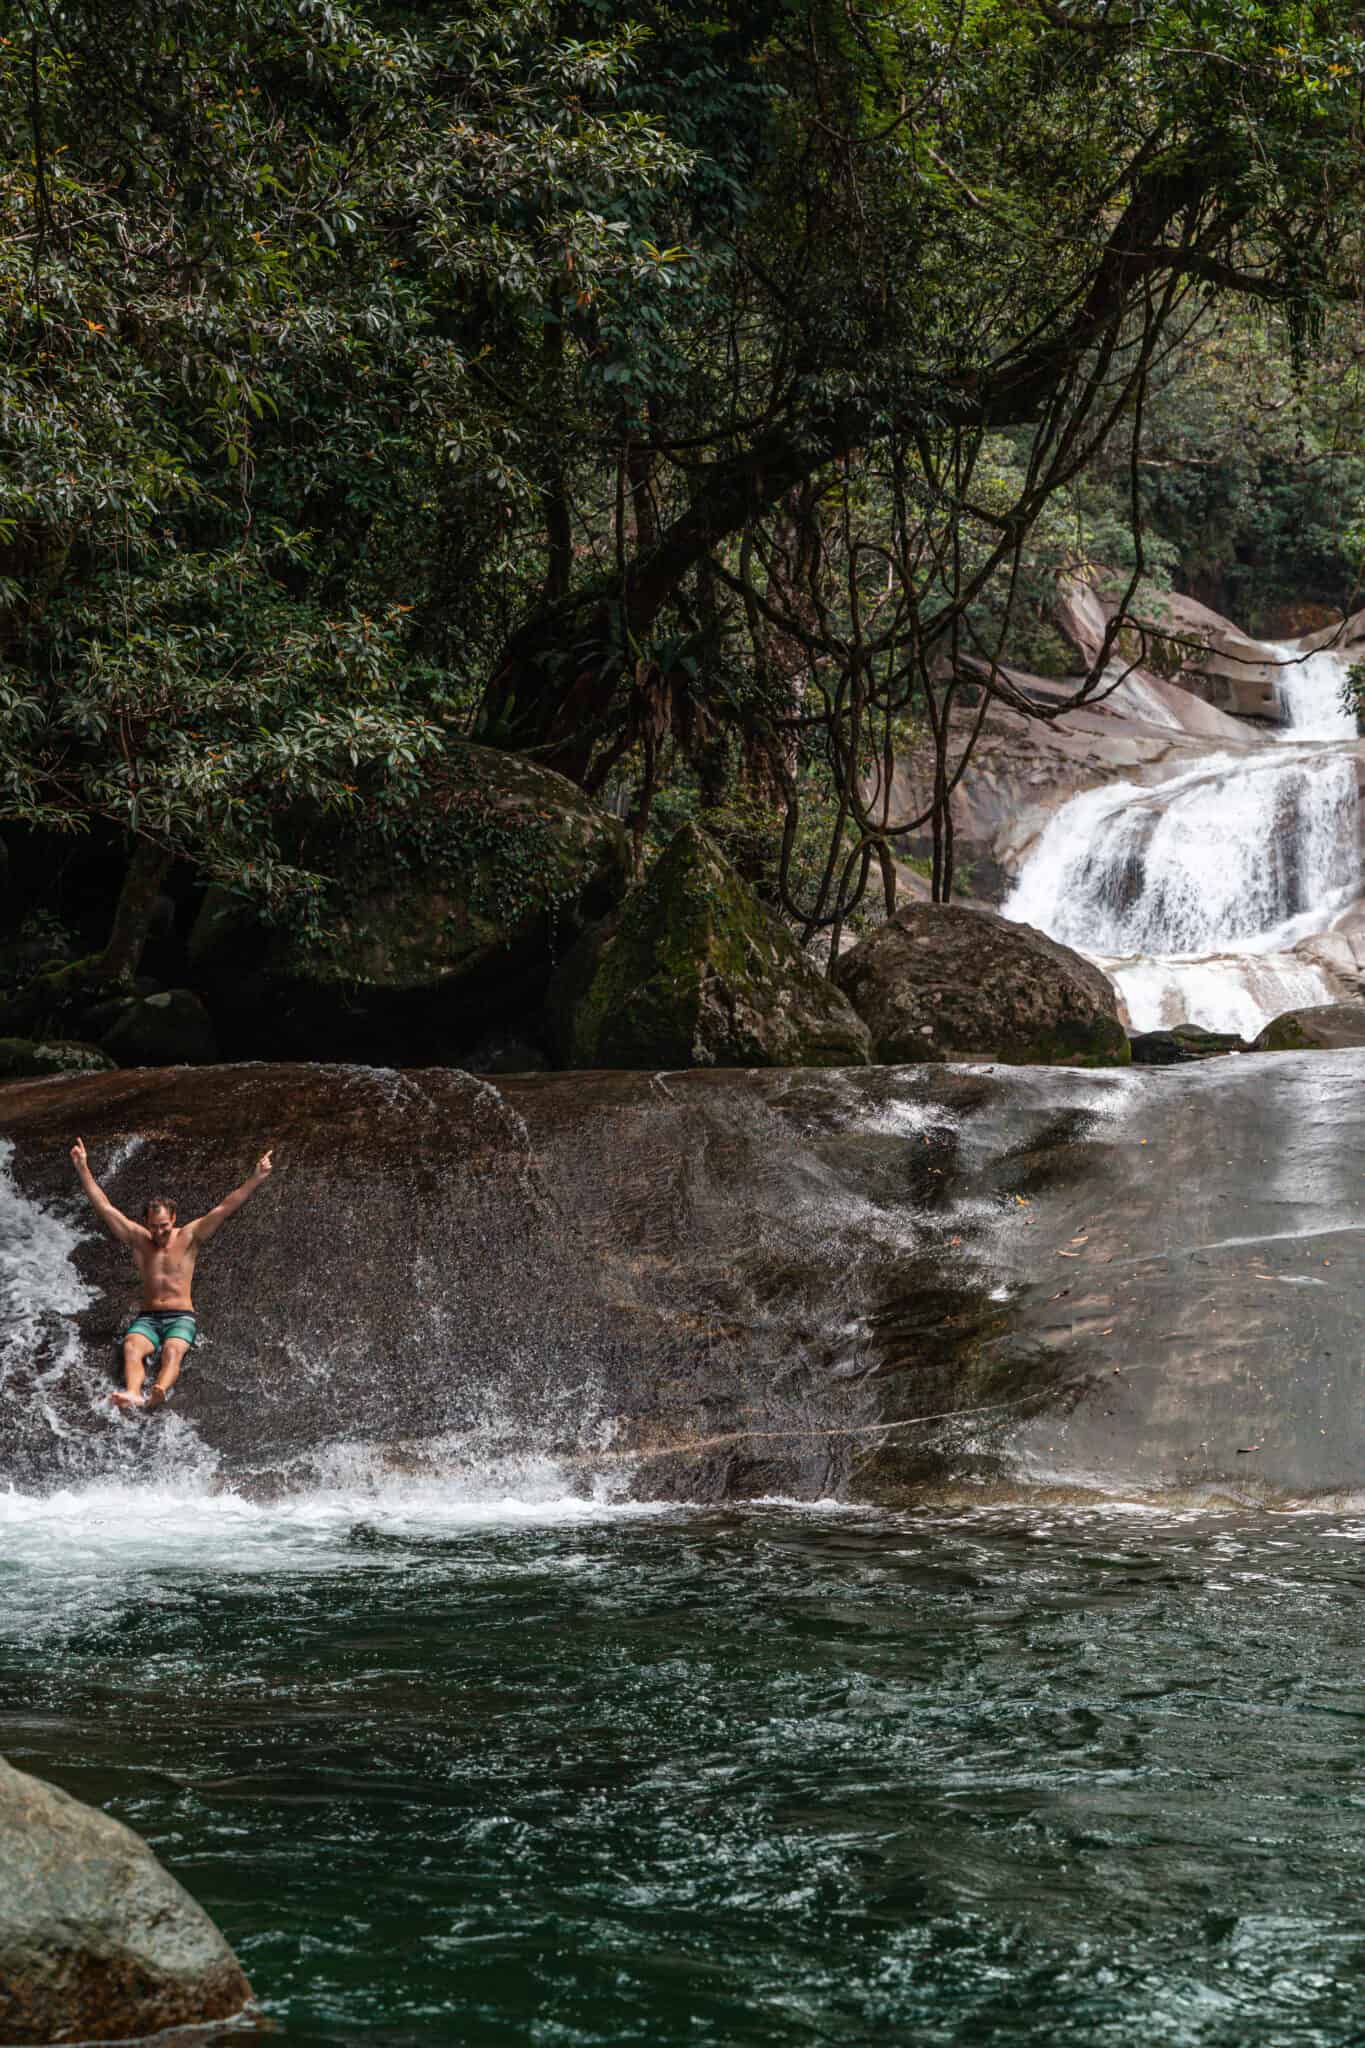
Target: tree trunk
{"x": 133, "y": 915}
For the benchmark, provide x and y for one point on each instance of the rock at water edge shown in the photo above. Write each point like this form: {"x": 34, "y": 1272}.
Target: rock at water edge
{"x": 28, "y": 1058}
{"x": 939, "y": 981}
{"x": 171, "y": 1029}
{"x": 693, "y": 972}
{"x": 1323, "y": 1028}
{"x": 97, "y": 1941}
{"x": 1174, "y": 1046}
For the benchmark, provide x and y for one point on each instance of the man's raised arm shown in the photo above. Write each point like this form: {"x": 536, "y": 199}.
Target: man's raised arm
{"x": 204, "y": 1226}
{"x": 122, "y": 1227}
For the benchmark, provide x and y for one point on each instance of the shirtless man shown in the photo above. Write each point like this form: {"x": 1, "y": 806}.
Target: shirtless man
{"x": 164, "y": 1253}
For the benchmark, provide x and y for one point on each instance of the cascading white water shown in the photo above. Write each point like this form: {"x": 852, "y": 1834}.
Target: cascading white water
{"x": 1191, "y": 893}
{"x": 1311, "y": 687}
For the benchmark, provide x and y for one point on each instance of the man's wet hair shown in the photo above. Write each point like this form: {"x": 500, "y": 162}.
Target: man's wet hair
{"x": 159, "y": 1202}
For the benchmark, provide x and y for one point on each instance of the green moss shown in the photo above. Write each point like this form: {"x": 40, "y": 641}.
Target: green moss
{"x": 59, "y": 994}
{"x": 693, "y": 972}
{"x": 1284, "y": 1034}
{"x": 498, "y": 854}
{"x": 1101, "y": 1044}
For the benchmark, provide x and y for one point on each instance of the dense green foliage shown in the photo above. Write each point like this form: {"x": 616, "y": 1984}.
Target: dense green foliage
{"x": 680, "y": 398}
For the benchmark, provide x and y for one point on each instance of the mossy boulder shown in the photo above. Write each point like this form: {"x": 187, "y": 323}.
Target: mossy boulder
{"x": 1325, "y": 1027}
{"x": 24, "y": 1059}
{"x": 939, "y": 981}
{"x": 31, "y": 1058}
{"x": 1180, "y": 1043}
{"x": 58, "y": 997}
{"x": 169, "y": 1029}
{"x": 430, "y": 940}
{"x": 693, "y": 972}
{"x": 97, "y": 1941}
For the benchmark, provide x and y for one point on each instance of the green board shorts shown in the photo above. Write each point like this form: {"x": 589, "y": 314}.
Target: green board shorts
{"x": 160, "y": 1324}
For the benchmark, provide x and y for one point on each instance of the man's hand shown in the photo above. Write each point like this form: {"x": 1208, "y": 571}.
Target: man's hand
{"x": 78, "y": 1158}
{"x": 263, "y": 1166}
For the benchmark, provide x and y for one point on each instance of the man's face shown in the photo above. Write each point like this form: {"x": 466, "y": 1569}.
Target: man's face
{"x": 160, "y": 1223}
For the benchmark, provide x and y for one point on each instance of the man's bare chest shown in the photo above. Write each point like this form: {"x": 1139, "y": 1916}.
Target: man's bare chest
{"x": 168, "y": 1265}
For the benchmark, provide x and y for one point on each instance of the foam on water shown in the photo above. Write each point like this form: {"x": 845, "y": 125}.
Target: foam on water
{"x": 1222, "y": 993}
{"x": 74, "y": 1555}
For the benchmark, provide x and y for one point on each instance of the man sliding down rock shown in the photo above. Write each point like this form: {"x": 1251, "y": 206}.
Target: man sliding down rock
{"x": 164, "y": 1253}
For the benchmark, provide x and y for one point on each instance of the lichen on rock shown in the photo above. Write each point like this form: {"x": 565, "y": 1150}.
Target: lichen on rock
{"x": 693, "y": 972}
{"x": 30, "y": 1058}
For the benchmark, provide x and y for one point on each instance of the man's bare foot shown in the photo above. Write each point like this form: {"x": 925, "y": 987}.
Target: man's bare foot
{"x": 122, "y": 1400}
{"x": 157, "y": 1398}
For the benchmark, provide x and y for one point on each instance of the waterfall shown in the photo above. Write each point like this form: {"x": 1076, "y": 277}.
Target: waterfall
{"x": 1311, "y": 687}
{"x": 1192, "y": 893}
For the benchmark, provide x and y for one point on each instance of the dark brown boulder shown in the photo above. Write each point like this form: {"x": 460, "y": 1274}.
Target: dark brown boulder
{"x": 169, "y": 1029}
{"x": 97, "y": 1941}
{"x": 939, "y": 981}
{"x": 1323, "y": 1028}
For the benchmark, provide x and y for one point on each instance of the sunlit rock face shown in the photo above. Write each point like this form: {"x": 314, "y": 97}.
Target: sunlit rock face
{"x": 97, "y": 1941}
{"x": 877, "y": 1283}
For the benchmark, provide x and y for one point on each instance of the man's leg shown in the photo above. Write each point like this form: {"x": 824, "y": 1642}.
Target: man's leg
{"x": 172, "y": 1358}
{"x": 137, "y": 1349}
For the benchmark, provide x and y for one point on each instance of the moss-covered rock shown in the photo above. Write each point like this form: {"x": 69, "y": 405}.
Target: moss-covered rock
{"x": 170, "y": 1029}
{"x": 430, "y": 938}
{"x": 692, "y": 972}
{"x": 1174, "y": 1046}
{"x": 28, "y": 1058}
{"x": 58, "y": 997}
{"x": 939, "y": 981}
{"x": 1323, "y": 1028}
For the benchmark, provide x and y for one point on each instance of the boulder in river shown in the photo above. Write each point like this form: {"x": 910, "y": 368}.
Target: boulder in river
{"x": 939, "y": 981}
{"x": 1172, "y": 1047}
{"x": 97, "y": 1941}
{"x": 1323, "y": 1028}
{"x": 426, "y": 945}
{"x": 693, "y": 972}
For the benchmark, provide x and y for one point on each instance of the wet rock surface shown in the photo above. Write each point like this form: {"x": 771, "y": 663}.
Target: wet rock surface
{"x": 97, "y": 1941}
{"x": 715, "y": 1284}
{"x": 939, "y": 981}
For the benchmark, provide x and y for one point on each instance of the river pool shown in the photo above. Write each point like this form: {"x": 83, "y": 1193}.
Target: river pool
{"x": 555, "y": 1773}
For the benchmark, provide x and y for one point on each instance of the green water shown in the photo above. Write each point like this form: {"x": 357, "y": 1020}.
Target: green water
{"x": 559, "y": 1776}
